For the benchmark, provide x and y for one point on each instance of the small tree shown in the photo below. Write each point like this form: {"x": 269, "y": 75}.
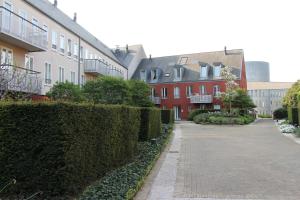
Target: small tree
{"x": 231, "y": 86}
{"x": 291, "y": 98}
{"x": 140, "y": 93}
{"x": 107, "y": 90}
{"x": 242, "y": 100}
{"x": 65, "y": 92}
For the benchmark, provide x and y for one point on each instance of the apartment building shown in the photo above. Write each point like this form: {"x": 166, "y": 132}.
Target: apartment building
{"x": 190, "y": 81}
{"x": 268, "y": 96}
{"x": 47, "y": 46}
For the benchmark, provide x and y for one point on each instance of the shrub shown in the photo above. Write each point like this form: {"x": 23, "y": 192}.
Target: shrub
{"x": 140, "y": 92}
{"x": 264, "y": 116}
{"x": 280, "y": 113}
{"x": 293, "y": 115}
{"x": 197, "y": 112}
{"x": 65, "y": 92}
{"x": 59, "y": 148}
{"x": 167, "y": 116}
{"x": 222, "y": 118}
{"x": 150, "y": 123}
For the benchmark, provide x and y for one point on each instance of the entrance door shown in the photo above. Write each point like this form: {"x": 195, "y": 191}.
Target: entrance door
{"x": 177, "y": 112}
{"x": 6, "y": 57}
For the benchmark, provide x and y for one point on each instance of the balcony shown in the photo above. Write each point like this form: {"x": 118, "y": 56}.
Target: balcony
{"x": 17, "y": 79}
{"x": 97, "y": 67}
{"x": 201, "y": 99}
{"x": 20, "y": 32}
{"x": 155, "y": 100}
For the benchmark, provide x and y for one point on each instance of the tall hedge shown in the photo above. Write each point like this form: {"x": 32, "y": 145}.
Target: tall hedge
{"x": 60, "y": 148}
{"x": 150, "y": 124}
{"x": 299, "y": 113}
{"x": 293, "y": 115}
{"x": 167, "y": 116}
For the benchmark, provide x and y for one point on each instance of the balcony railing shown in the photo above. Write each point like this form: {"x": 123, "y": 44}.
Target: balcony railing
{"x": 155, "y": 100}
{"x": 17, "y": 30}
{"x": 201, "y": 99}
{"x": 98, "y": 67}
{"x": 18, "y": 79}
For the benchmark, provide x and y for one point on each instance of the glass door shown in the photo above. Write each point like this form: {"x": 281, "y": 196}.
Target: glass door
{"x": 7, "y": 16}
{"x": 177, "y": 112}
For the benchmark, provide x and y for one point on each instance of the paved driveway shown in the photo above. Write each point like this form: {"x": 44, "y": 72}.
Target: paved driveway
{"x": 230, "y": 162}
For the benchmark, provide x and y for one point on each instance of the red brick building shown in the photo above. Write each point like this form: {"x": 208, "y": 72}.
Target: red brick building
{"x": 190, "y": 81}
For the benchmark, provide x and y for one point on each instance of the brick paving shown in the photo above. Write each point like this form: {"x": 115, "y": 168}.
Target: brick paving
{"x": 229, "y": 162}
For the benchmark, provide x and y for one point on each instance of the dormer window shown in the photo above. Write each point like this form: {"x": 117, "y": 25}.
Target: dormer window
{"x": 204, "y": 72}
{"x": 143, "y": 75}
{"x": 154, "y": 75}
{"x": 178, "y": 73}
{"x": 217, "y": 72}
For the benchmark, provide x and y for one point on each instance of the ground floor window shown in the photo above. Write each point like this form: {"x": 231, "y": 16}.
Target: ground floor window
{"x": 217, "y": 107}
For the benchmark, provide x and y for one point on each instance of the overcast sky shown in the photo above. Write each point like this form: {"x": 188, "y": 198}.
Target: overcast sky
{"x": 267, "y": 30}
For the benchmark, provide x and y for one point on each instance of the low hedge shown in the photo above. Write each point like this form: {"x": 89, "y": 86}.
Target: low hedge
{"x": 60, "y": 148}
{"x": 221, "y": 118}
{"x": 124, "y": 183}
{"x": 150, "y": 124}
{"x": 197, "y": 112}
{"x": 167, "y": 116}
{"x": 280, "y": 113}
{"x": 299, "y": 113}
{"x": 293, "y": 116}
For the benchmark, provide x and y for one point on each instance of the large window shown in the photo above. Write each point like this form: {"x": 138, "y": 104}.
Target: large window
{"x": 45, "y": 27}
{"x": 28, "y": 62}
{"x": 73, "y": 77}
{"x": 62, "y": 43}
{"x": 176, "y": 93}
{"x": 75, "y": 49}
{"x": 189, "y": 91}
{"x": 61, "y": 75}
{"x": 154, "y": 75}
{"x": 164, "y": 93}
{"x": 54, "y": 40}
{"x": 143, "y": 75}
{"x": 203, "y": 90}
{"x": 6, "y": 56}
{"x": 22, "y": 23}
{"x": 178, "y": 73}
{"x": 81, "y": 53}
{"x": 203, "y": 72}
{"x": 47, "y": 73}
{"x": 216, "y": 90}
{"x": 153, "y": 92}
{"x": 69, "y": 47}
{"x": 35, "y": 25}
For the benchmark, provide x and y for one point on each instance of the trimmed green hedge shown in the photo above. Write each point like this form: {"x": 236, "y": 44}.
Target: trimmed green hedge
{"x": 150, "y": 124}
{"x": 60, "y": 148}
{"x": 293, "y": 115}
{"x": 299, "y": 113}
{"x": 167, "y": 116}
{"x": 197, "y": 112}
{"x": 280, "y": 113}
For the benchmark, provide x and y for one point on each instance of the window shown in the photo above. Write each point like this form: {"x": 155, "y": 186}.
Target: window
{"x": 178, "y": 73}
{"x": 154, "y": 75}
{"x": 69, "y": 47}
{"x": 47, "y": 73}
{"x": 61, "y": 74}
{"x": 86, "y": 54}
{"x": 217, "y": 107}
{"x": 81, "y": 53}
{"x": 203, "y": 90}
{"x": 75, "y": 53}
{"x": 54, "y": 40}
{"x": 152, "y": 92}
{"x": 189, "y": 91}
{"x": 143, "y": 75}
{"x": 7, "y": 16}
{"x": 216, "y": 90}
{"x": 203, "y": 72}
{"x": 164, "y": 93}
{"x": 217, "y": 71}
{"x": 28, "y": 62}
{"x": 35, "y": 26}
{"x": 73, "y": 77}
{"x": 22, "y": 23}
{"x": 45, "y": 27}
{"x": 82, "y": 80}
{"x": 62, "y": 44}
{"x": 176, "y": 93}
{"x": 164, "y": 107}
{"x": 6, "y": 56}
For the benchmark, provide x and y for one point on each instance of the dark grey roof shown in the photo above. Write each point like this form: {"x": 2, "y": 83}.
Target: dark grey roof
{"x": 60, "y": 17}
{"x": 191, "y": 65}
{"x": 124, "y": 56}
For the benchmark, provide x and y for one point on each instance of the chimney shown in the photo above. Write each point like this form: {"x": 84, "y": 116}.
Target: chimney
{"x": 127, "y": 49}
{"x": 150, "y": 57}
{"x": 75, "y": 17}
{"x": 225, "y": 50}
{"x": 55, "y": 3}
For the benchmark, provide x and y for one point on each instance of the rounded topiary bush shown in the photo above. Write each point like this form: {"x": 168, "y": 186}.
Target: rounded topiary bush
{"x": 280, "y": 113}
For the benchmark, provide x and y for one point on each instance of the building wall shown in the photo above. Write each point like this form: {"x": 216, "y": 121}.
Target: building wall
{"x": 257, "y": 71}
{"x": 55, "y": 57}
{"x": 184, "y": 101}
{"x": 140, "y": 54}
{"x": 267, "y": 100}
